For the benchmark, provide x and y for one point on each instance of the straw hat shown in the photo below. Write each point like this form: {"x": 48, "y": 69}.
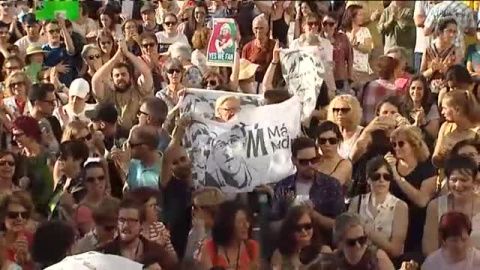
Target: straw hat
{"x": 247, "y": 70}
{"x": 34, "y": 49}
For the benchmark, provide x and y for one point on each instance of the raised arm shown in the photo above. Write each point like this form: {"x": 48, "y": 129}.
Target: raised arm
{"x": 236, "y": 69}
{"x": 146, "y": 87}
{"x": 66, "y": 36}
{"x": 98, "y": 86}
{"x": 267, "y": 82}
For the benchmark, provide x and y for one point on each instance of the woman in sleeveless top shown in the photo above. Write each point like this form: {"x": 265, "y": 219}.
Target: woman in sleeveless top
{"x": 231, "y": 246}
{"x": 462, "y": 116}
{"x": 414, "y": 181}
{"x": 298, "y": 235}
{"x": 379, "y": 209}
{"x": 331, "y": 163}
{"x": 353, "y": 250}
{"x": 441, "y": 54}
{"x": 461, "y": 175}
{"x": 345, "y": 111}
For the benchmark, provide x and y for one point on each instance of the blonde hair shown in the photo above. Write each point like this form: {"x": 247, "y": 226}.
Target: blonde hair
{"x": 414, "y": 137}
{"x": 465, "y": 102}
{"x": 72, "y": 130}
{"x": 222, "y": 100}
{"x": 354, "y": 106}
{"x": 13, "y": 77}
{"x": 208, "y": 196}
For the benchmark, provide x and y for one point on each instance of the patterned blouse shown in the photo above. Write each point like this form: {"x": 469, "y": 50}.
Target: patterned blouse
{"x": 383, "y": 221}
{"x": 160, "y": 234}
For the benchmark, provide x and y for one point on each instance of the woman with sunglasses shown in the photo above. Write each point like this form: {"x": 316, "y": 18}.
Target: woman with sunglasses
{"x": 456, "y": 251}
{"x": 461, "y": 173}
{"x": 423, "y": 110}
{"x": 384, "y": 216}
{"x": 192, "y": 77}
{"x": 353, "y": 251}
{"x": 231, "y": 246}
{"x": 170, "y": 94}
{"x": 92, "y": 57}
{"x": 170, "y": 34}
{"x": 303, "y": 9}
{"x": 342, "y": 52}
{"x": 299, "y": 237}
{"x": 197, "y": 22}
{"x": 153, "y": 229}
{"x": 414, "y": 181}
{"x": 345, "y": 111}
{"x": 7, "y": 172}
{"x": 17, "y": 88}
{"x": 16, "y": 210}
{"x": 331, "y": 163}
{"x": 107, "y": 45}
{"x": 151, "y": 57}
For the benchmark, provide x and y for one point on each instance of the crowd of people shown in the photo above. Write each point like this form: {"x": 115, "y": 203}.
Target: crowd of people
{"x": 92, "y": 156}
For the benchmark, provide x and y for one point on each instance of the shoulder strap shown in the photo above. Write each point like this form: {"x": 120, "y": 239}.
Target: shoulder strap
{"x": 359, "y": 203}
{"x": 336, "y": 166}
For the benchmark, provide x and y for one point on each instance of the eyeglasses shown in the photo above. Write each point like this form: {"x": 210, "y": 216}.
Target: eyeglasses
{"x": 362, "y": 240}
{"x": 91, "y": 57}
{"x": 18, "y": 214}
{"x": 86, "y": 138}
{"x": 184, "y": 19}
{"x": 15, "y": 84}
{"x": 310, "y": 161}
{"x": 6, "y": 162}
{"x": 303, "y": 227}
{"x": 140, "y": 113}
{"x": 331, "y": 141}
{"x": 149, "y": 45}
{"x": 343, "y": 110}
{"x": 170, "y": 24}
{"x": 400, "y": 144}
{"x": 173, "y": 70}
{"x": 54, "y": 31}
{"x": 92, "y": 179}
{"x": 327, "y": 23}
{"x": 128, "y": 220}
{"x": 376, "y": 177}
{"x": 133, "y": 145}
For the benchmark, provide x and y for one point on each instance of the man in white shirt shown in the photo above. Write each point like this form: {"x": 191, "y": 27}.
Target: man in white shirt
{"x": 170, "y": 34}
{"x": 32, "y": 28}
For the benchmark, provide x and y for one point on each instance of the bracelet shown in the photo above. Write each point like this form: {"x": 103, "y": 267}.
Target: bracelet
{"x": 273, "y": 63}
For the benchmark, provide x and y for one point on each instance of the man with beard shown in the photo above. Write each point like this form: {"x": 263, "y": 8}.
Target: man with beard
{"x": 126, "y": 94}
{"x": 308, "y": 186}
{"x": 146, "y": 163}
{"x": 130, "y": 244}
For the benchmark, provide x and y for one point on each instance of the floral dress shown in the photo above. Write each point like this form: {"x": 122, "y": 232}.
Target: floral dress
{"x": 360, "y": 59}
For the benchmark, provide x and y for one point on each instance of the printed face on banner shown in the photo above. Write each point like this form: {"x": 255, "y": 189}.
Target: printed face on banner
{"x": 221, "y": 46}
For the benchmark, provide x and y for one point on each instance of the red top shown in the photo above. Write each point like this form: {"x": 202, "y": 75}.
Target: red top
{"x": 11, "y": 252}
{"x": 249, "y": 254}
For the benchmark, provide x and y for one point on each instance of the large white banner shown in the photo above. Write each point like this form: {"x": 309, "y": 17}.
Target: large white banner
{"x": 202, "y": 101}
{"x": 251, "y": 149}
{"x": 304, "y": 72}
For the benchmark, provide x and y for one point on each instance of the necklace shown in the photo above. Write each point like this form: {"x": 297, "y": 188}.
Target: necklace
{"x": 228, "y": 259}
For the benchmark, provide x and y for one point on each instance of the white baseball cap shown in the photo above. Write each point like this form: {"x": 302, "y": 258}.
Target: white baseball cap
{"x": 79, "y": 87}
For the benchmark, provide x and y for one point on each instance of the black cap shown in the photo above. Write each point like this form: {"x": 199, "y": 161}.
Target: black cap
{"x": 147, "y": 7}
{"x": 105, "y": 112}
{"x": 29, "y": 18}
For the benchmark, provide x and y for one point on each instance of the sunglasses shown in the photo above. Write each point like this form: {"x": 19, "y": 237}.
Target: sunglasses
{"x": 109, "y": 228}
{"x": 312, "y": 24}
{"x": 140, "y": 113}
{"x": 184, "y": 20}
{"x": 54, "y": 31}
{"x": 6, "y": 162}
{"x": 303, "y": 227}
{"x": 17, "y": 214}
{"x": 170, "y": 23}
{"x": 86, "y": 138}
{"x": 343, "y": 110}
{"x": 362, "y": 240}
{"x": 149, "y": 45}
{"x": 386, "y": 176}
{"x": 173, "y": 70}
{"x": 91, "y": 57}
{"x": 326, "y": 23}
{"x": 6, "y": 5}
{"x": 324, "y": 141}
{"x": 311, "y": 161}
{"x": 211, "y": 82}
{"x": 400, "y": 144}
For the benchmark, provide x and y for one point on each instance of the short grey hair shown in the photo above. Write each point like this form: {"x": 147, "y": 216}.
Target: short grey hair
{"x": 180, "y": 51}
{"x": 344, "y": 222}
{"x": 401, "y": 51}
{"x": 261, "y": 19}
{"x": 87, "y": 48}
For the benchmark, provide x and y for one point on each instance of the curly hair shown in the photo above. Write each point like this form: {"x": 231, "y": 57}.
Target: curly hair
{"x": 354, "y": 106}
{"x": 200, "y": 38}
{"x": 72, "y": 130}
{"x": 224, "y": 226}
{"x": 17, "y": 76}
{"x": 414, "y": 137}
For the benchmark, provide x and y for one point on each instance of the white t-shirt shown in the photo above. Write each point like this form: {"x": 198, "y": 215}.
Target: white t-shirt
{"x": 421, "y": 8}
{"x": 302, "y": 188}
{"x": 326, "y": 48}
{"x": 65, "y": 114}
{"x": 24, "y": 42}
{"x": 437, "y": 261}
{"x": 164, "y": 41}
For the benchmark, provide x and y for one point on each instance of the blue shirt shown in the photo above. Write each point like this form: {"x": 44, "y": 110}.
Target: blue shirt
{"x": 326, "y": 195}
{"x": 56, "y": 56}
{"x": 141, "y": 176}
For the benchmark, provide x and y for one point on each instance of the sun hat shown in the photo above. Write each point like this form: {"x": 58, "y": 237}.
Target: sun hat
{"x": 247, "y": 70}
{"x": 34, "y": 49}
